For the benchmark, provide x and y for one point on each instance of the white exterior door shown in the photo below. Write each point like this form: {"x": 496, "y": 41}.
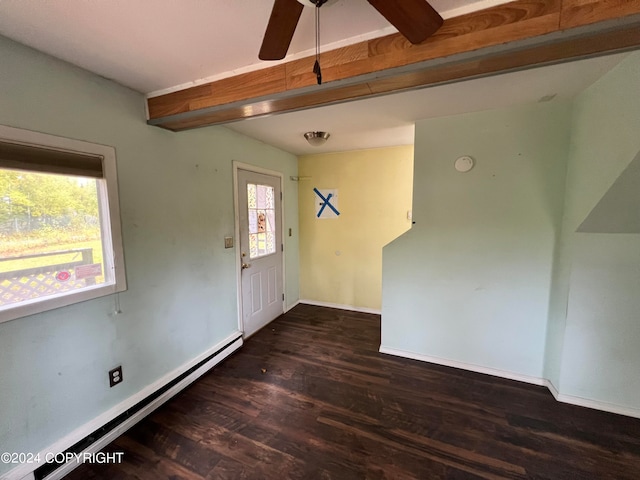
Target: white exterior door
{"x": 260, "y": 217}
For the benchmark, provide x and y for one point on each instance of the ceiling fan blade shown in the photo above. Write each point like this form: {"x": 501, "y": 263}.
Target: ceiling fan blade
{"x": 415, "y": 19}
{"x": 280, "y": 29}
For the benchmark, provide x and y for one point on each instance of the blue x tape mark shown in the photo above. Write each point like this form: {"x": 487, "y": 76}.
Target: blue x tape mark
{"x": 326, "y": 203}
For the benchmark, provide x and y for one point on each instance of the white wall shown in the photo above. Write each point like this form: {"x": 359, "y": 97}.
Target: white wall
{"x": 176, "y": 199}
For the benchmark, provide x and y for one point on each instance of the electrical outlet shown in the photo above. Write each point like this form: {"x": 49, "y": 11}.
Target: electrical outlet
{"x": 115, "y": 376}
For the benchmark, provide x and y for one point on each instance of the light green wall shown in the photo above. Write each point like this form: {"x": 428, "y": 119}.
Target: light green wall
{"x": 494, "y": 274}
{"x": 176, "y": 198}
{"x": 594, "y": 328}
{"x": 470, "y": 282}
{"x": 341, "y": 258}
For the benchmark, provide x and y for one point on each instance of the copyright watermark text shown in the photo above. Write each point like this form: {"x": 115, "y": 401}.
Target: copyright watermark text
{"x": 61, "y": 457}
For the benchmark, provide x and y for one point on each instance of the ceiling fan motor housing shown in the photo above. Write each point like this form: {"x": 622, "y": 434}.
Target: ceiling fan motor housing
{"x": 315, "y": 3}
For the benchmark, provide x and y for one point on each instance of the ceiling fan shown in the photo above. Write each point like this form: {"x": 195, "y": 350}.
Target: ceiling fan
{"x": 415, "y": 19}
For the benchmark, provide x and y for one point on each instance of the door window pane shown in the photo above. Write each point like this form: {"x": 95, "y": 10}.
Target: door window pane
{"x": 253, "y": 245}
{"x": 251, "y": 193}
{"x": 253, "y": 221}
{"x": 271, "y": 242}
{"x": 271, "y": 220}
{"x": 269, "y": 199}
{"x": 262, "y": 195}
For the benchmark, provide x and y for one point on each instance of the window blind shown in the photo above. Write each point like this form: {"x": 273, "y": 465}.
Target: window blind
{"x": 17, "y": 156}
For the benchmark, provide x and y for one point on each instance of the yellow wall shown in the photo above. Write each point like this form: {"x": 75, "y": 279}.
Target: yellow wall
{"x": 341, "y": 258}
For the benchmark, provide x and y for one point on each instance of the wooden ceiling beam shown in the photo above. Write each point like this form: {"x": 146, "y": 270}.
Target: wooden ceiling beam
{"x": 516, "y": 35}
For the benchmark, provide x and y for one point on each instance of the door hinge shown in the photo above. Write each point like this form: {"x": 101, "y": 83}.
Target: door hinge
{"x": 283, "y": 297}
{"x": 280, "y": 195}
{"x": 282, "y": 247}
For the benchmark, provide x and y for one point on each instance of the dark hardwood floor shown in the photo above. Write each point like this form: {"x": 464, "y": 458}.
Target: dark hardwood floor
{"x": 329, "y": 406}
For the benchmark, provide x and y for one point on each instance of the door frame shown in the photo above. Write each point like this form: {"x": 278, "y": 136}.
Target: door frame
{"x": 255, "y": 169}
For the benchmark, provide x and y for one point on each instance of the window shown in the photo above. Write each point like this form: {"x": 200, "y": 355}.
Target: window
{"x": 262, "y": 220}
{"x": 60, "y": 239}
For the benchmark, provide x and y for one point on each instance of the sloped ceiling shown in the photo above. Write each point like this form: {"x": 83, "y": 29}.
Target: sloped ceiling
{"x": 619, "y": 209}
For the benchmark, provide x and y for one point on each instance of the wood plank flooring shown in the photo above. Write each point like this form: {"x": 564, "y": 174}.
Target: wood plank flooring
{"x": 329, "y": 406}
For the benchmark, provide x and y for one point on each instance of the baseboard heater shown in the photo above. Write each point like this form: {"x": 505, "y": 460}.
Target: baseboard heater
{"x": 46, "y": 471}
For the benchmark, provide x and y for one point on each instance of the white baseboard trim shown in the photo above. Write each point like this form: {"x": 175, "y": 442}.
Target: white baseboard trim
{"x": 599, "y": 405}
{"x": 464, "y": 366}
{"x": 24, "y": 470}
{"x": 560, "y": 397}
{"x": 350, "y": 308}
{"x": 552, "y": 388}
{"x": 291, "y": 307}
{"x": 593, "y": 404}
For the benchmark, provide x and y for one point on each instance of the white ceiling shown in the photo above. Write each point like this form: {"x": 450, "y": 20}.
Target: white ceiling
{"x": 155, "y": 46}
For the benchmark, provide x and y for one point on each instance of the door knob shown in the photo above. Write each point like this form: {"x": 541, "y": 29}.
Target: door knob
{"x": 245, "y": 265}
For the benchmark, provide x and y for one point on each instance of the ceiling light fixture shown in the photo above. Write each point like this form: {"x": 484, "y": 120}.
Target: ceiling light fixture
{"x": 317, "y": 139}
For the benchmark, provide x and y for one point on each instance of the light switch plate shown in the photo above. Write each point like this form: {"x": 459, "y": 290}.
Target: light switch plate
{"x": 228, "y": 242}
